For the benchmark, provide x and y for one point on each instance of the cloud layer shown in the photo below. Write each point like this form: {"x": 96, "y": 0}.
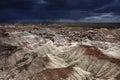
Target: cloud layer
{"x": 51, "y": 10}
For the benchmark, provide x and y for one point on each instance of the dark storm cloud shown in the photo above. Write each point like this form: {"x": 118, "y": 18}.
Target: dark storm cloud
{"x": 18, "y": 4}
{"x": 84, "y": 5}
{"x": 37, "y": 10}
{"x": 113, "y": 7}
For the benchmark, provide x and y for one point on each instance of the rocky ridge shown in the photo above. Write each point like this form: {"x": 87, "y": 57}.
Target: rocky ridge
{"x": 60, "y": 54}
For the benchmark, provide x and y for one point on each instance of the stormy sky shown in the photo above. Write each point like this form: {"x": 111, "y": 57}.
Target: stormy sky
{"x": 60, "y": 10}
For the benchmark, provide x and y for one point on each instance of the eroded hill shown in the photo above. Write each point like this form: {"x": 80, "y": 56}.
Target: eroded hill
{"x": 59, "y": 54}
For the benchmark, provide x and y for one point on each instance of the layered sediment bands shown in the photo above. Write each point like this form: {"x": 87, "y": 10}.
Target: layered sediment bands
{"x": 66, "y": 73}
{"x": 54, "y": 74}
{"x": 29, "y": 56}
{"x": 92, "y": 60}
{"x": 43, "y": 68}
{"x": 78, "y": 63}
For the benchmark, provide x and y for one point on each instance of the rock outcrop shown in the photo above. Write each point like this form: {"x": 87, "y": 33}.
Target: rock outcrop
{"x": 62, "y": 55}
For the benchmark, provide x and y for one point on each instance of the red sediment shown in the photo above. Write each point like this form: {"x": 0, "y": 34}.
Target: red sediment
{"x": 54, "y": 74}
{"x": 95, "y": 52}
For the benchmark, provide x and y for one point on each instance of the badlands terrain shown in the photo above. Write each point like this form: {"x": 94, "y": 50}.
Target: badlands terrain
{"x": 59, "y": 52}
